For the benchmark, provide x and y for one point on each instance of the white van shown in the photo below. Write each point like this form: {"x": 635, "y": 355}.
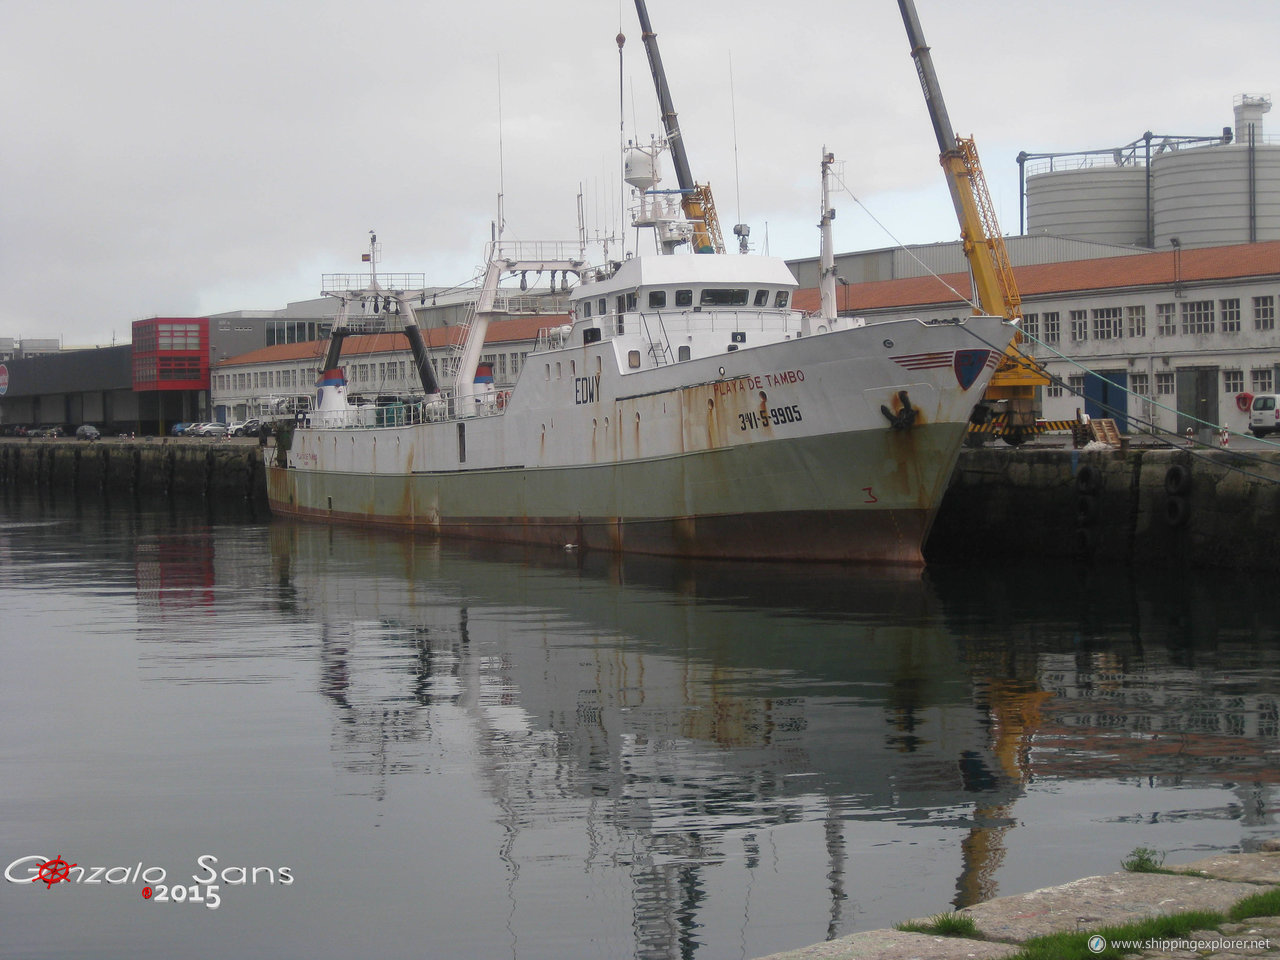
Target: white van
{"x": 1264, "y": 414}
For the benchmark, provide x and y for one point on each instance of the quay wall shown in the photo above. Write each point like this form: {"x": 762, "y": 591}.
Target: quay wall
{"x": 181, "y": 469}
{"x": 1155, "y": 507}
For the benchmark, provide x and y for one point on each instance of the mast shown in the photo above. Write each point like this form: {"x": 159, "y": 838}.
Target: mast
{"x": 827, "y": 259}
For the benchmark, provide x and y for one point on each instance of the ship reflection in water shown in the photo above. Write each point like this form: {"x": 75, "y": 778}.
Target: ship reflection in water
{"x": 676, "y": 721}
{"x": 482, "y": 751}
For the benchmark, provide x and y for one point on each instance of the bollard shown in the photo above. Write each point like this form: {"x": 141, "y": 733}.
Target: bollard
{"x": 1224, "y": 437}
{"x": 1190, "y": 437}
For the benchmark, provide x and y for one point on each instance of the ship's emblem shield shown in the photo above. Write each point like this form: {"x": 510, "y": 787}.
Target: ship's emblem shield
{"x": 968, "y": 364}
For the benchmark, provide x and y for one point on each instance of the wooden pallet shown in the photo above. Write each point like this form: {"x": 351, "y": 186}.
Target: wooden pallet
{"x": 1105, "y": 431}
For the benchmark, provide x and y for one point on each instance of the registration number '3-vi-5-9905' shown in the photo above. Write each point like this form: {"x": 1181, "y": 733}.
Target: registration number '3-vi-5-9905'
{"x": 777, "y": 416}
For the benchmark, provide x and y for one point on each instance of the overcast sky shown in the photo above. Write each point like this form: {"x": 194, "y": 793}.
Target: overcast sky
{"x": 181, "y": 159}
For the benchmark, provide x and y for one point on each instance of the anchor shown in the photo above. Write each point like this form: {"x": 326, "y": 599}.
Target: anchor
{"x": 903, "y": 420}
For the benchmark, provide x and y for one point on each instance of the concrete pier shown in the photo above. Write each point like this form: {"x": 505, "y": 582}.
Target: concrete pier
{"x": 1005, "y": 924}
{"x": 210, "y": 470}
{"x": 1153, "y": 507}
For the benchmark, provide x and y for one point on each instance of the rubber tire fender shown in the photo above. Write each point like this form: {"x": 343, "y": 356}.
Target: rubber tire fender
{"x": 1088, "y": 479}
{"x": 1086, "y": 509}
{"x": 1177, "y": 480}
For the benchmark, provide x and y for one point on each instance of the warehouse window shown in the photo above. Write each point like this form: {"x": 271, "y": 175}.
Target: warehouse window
{"x": 1197, "y": 316}
{"x": 1230, "y": 310}
{"x": 1232, "y": 382}
{"x": 1140, "y": 384}
{"x": 1262, "y": 379}
{"x": 1079, "y": 326}
{"x": 1165, "y": 385}
{"x": 1166, "y": 319}
{"x": 1137, "y": 320}
{"x": 1107, "y": 324}
{"x": 1052, "y": 328}
{"x": 1264, "y": 313}
{"x": 1031, "y": 326}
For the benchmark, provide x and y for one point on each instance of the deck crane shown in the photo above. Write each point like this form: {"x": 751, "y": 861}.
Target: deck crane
{"x": 695, "y": 198}
{"x": 1013, "y": 386}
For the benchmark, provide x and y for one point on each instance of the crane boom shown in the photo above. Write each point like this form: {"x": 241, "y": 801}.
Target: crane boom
{"x": 695, "y": 198}
{"x": 1017, "y": 375}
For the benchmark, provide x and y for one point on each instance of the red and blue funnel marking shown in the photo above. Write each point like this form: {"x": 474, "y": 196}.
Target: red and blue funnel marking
{"x": 484, "y": 373}
{"x": 333, "y": 378}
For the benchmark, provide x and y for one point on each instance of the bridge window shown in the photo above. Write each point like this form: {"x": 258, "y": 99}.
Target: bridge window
{"x": 780, "y": 301}
{"x": 762, "y": 298}
{"x": 716, "y": 297}
{"x": 684, "y": 298}
{"x": 657, "y": 299}
{"x": 586, "y": 308}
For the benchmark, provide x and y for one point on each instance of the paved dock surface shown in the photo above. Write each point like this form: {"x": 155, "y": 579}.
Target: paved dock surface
{"x": 1216, "y": 883}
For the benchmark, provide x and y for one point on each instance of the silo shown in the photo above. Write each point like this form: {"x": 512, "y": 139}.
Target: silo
{"x": 1227, "y": 193}
{"x": 1105, "y": 204}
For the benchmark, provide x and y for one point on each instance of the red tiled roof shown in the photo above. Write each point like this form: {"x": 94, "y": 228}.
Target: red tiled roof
{"x": 1138, "y": 270}
{"x": 515, "y": 329}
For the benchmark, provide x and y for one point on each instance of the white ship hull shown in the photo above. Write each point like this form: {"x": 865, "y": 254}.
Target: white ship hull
{"x": 831, "y": 447}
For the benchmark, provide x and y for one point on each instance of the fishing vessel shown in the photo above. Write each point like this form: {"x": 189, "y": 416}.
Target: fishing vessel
{"x": 683, "y": 407}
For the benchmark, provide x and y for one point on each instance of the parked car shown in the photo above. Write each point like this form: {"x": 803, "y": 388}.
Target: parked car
{"x": 209, "y": 430}
{"x": 178, "y": 429}
{"x": 1264, "y": 414}
{"x": 47, "y": 432}
{"x": 87, "y": 431}
{"x": 250, "y": 428}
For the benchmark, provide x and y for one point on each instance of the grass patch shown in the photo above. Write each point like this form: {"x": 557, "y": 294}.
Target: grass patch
{"x": 1259, "y": 905}
{"x": 944, "y": 925}
{"x": 1075, "y": 946}
{"x": 1143, "y": 860}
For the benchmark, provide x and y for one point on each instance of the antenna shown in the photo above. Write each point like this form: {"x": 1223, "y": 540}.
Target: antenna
{"x": 622, "y": 137}
{"x": 733, "y": 114}
{"x": 502, "y": 177}
{"x": 740, "y": 229}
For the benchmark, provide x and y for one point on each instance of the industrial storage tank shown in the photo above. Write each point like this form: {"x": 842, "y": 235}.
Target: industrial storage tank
{"x": 1105, "y": 204}
{"x": 1216, "y": 195}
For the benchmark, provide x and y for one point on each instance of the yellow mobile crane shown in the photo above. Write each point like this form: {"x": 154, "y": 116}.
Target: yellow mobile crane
{"x": 1012, "y": 390}
{"x": 695, "y": 198}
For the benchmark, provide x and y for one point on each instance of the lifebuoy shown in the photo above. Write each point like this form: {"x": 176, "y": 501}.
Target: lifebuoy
{"x": 502, "y": 398}
{"x": 1244, "y": 402}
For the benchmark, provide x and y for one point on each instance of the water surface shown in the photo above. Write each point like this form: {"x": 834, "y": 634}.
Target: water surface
{"x": 408, "y": 749}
